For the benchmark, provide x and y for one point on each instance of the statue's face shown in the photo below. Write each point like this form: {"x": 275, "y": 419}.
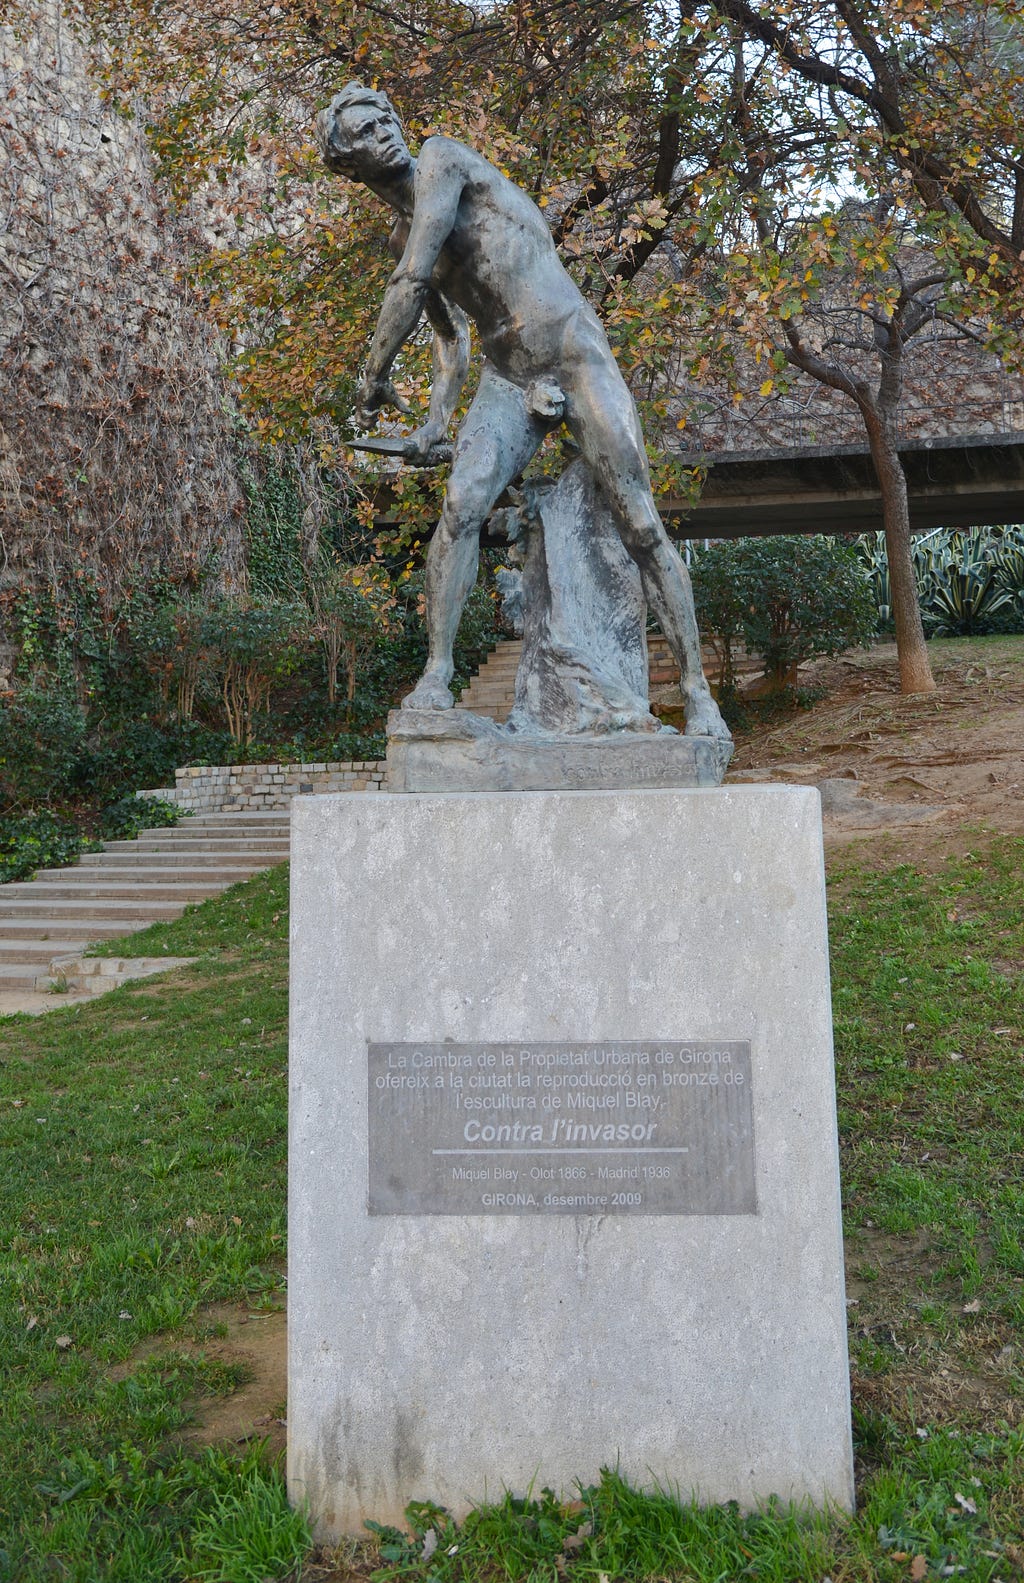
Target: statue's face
{"x": 363, "y": 142}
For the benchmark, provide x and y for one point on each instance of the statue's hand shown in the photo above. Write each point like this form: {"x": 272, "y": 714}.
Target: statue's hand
{"x": 373, "y": 395}
{"x": 418, "y": 445}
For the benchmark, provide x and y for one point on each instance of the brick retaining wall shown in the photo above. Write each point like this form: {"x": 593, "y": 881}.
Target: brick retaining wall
{"x": 224, "y": 788}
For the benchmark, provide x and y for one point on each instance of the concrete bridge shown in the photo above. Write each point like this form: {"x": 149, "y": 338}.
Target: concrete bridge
{"x": 957, "y": 481}
{"x": 962, "y": 481}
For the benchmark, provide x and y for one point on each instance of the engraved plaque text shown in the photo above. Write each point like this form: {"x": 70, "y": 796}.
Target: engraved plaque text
{"x": 628, "y": 1127}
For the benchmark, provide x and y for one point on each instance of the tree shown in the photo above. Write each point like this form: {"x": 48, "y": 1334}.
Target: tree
{"x": 926, "y": 88}
{"x": 843, "y": 297}
{"x": 705, "y": 151}
{"x": 915, "y": 107}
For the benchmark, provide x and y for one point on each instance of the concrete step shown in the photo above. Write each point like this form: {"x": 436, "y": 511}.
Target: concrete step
{"x": 94, "y": 975}
{"x": 231, "y": 816}
{"x": 237, "y": 824}
{"x": 20, "y": 975}
{"x": 79, "y": 886}
{"x": 166, "y": 858}
{"x": 67, "y": 934}
{"x": 492, "y": 690}
{"x": 173, "y": 870}
{"x": 30, "y": 906}
{"x": 127, "y": 886}
{"x": 15, "y": 953}
{"x": 275, "y": 851}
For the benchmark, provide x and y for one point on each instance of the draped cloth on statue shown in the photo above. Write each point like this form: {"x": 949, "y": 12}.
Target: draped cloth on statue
{"x": 584, "y": 661}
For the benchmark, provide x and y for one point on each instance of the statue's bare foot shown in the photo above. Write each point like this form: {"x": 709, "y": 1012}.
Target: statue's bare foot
{"x": 703, "y": 718}
{"x": 430, "y": 692}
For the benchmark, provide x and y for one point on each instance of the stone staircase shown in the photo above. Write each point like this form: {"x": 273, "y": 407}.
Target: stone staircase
{"x": 492, "y": 690}
{"x": 48, "y": 922}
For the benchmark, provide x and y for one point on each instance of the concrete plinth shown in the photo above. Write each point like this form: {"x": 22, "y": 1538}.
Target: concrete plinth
{"x": 453, "y": 750}
{"x": 452, "y": 1343}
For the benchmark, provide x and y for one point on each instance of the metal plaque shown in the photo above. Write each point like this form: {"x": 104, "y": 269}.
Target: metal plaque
{"x": 630, "y": 1127}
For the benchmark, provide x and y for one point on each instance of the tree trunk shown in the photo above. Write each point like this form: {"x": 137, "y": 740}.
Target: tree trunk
{"x": 915, "y": 666}
{"x": 232, "y": 702}
{"x": 187, "y": 683}
{"x": 880, "y": 414}
{"x": 350, "y": 690}
{"x": 331, "y": 657}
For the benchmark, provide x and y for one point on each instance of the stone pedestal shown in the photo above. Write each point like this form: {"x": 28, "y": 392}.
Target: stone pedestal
{"x": 678, "y": 1308}
{"x": 449, "y": 750}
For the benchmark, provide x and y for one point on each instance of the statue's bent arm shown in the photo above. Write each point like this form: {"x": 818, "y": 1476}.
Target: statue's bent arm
{"x": 451, "y": 365}
{"x": 438, "y": 190}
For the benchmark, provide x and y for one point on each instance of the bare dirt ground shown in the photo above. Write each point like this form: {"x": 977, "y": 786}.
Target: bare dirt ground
{"x": 251, "y": 1341}
{"x": 256, "y": 1410}
{"x": 926, "y": 769}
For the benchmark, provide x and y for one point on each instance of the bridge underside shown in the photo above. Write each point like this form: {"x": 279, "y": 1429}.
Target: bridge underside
{"x": 974, "y": 481}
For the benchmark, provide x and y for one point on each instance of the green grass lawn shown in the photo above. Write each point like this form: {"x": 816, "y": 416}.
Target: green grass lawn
{"x": 142, "y": 1178}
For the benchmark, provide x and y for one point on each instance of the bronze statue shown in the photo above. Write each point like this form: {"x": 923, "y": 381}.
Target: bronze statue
{"x": 471, "y": 243}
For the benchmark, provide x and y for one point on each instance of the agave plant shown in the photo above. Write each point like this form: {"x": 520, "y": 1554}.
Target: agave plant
{"x": 964, "y": 603}
{"x": 870, "y": 550}
{"x": 1008, "y": 567}
{"x": 968, "y": 579}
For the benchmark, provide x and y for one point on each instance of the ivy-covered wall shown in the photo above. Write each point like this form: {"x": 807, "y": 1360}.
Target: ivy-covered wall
{"x": 117, "y": 447}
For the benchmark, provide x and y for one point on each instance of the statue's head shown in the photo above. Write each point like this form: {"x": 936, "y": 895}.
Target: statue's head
{"x": 360, "y": 136}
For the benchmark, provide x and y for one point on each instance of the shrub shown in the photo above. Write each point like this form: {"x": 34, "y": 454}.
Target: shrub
{"x": 965, "y": 601}
{"x": 871, "y": 552}
{"x": 119, "y": 756}
{"x": 354, "y": 607}
{"x": 38, "y": 840}
{"x": 42, "y": 730}
{"x": 169, "y": 637}
{"x": 360, "y": 746}
{"x": 1008, "y": 565}
{"x": 254, "y": 647}
{"x": 788, "y": 598}
{"x": 719, "y": 600}
{"x": 122, "y": 820}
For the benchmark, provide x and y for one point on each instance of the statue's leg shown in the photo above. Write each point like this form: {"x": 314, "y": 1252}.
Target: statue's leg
{"x": 603, "y": 418}
{"x": 495, "y": 442}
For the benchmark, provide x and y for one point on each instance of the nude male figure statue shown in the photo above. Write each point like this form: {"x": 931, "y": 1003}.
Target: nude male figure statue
{"x": 470, "y": 242}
